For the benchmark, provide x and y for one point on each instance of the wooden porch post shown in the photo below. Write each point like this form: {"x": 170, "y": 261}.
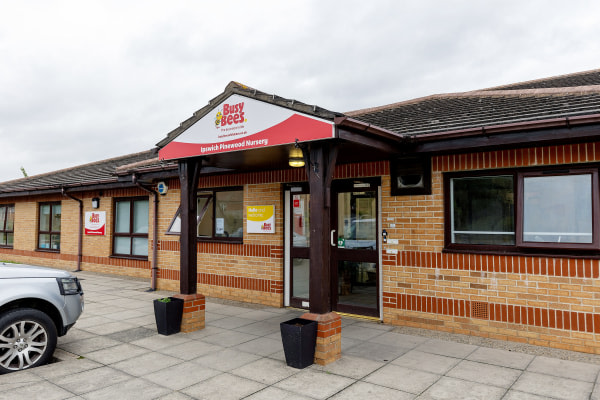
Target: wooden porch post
{"x": 319, "y": 168}
{"x": 194, "y": 304}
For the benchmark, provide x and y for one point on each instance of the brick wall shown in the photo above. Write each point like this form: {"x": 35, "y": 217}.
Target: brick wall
{"x": 548, "y": 301}
{"x": 96, "y": 249}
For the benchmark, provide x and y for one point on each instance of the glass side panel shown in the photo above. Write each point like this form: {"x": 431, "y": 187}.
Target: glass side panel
{"x": 482, "y": 210}
{"x": 2, "y": 217}
{"x": 300, "y": 274}
{"x": 140, "y": 216}
{"x": 357, "y": 284}
{"x": 44, "y": 241}
{"x": 229, "y": 214}
{"x": 357, "y": 220}
{"x": 44, "y": 219}
{"x": 140, "y": 246}
{"x": 10, "y": 218}
{"x": 55, "y": 242}
{"x": 557, "y": 209}
{"x": 300, "y": 220}
{"x": 122, "y": 218}
{"x": 122, "y": 245}
{"x": 205, "y": 215}
{"x": 56, "y": 213}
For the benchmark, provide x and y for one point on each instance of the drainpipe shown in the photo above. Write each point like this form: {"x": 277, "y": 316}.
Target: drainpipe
{"x": 80, "y": 238}
{"x": 134, "y": 179}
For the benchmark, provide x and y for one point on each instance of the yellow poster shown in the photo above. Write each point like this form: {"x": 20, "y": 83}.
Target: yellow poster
{"x": 260, "y": 219}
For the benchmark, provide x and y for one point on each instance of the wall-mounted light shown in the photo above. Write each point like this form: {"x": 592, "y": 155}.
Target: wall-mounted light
{"x": 296, "y": 159}
{"x": 96, "y": 202}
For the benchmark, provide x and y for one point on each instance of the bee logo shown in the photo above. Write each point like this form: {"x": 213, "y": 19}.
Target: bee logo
{"x": 218, "y": 119}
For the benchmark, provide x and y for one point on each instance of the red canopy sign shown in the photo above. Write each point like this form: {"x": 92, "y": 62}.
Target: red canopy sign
{"x": 241, "y": 123}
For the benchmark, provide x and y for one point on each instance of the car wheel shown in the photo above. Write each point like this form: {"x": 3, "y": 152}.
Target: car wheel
{"x": 27, "y": 339}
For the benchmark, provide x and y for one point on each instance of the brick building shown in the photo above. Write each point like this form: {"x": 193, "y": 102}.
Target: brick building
{"x": 471, "y": 212}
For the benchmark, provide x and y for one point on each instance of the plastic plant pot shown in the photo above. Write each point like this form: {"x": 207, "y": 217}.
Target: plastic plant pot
{"x": 299, "y": 337}
{"x": 168, "y": 315}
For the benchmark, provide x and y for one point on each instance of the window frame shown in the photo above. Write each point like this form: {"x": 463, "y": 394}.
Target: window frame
{"x": 129, "y": 234}
{"x": 50, "y": 232}
{"x": 211, "y": 194}
{"x": 521, "y": 246}
{"x": 3, "y": 227}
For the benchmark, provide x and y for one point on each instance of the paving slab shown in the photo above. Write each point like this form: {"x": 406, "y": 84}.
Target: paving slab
{"x": 265, "y": 370}
{"x": 452, "y": 389}
{"x": 226, "y": 360}
{"x": 446, "y": 348}
{"x": 403, "y": 379}
{"x": 131, "y": 389}
{"x": 553, "y": 386}
{"x": 224, "y": 387}
{"x": 485, "y": 373}
{"x": 565, "y": 368}
{"x": 427, "y": 362}
{"x": 351, "y": 367}
{"x": 182, "y": 375}
{"x": 503, "y": 358}
{"x": 315, "y": 384}
{"x": 91, "y": 380}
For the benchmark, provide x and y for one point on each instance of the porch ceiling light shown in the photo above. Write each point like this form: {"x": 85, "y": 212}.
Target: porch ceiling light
{"x": 296, "y": 157}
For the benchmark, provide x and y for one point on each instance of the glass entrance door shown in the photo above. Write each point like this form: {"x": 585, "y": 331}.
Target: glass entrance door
{"x": 299, "y": 249}
{"x": 354, "y": 251}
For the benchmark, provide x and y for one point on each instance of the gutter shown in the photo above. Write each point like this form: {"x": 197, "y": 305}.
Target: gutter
{"x": 135, "y": 181}
{"x": 80, "y": 237}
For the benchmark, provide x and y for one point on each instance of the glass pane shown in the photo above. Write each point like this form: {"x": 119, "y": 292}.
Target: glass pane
{"x": 357, "y": 220}
{"x": 205, "y": 214}
{"x": 9, "y": 239}
{"x": 176, "y": 224}
{"x": 557, "y": 209}
{"x": 44, "y": 241}
{"x": 229, "y": 215}
{"x": 357, "y": 283}
{"x": 10, "y": 218}
{"x": 2, "y": 239}
{"x": 300, "y": 220}
{"x": 482, "y": 210}
{"x": 122, "y": 245}
{"x": 44, "y": 218}
{"x": 140, "y": 216}
{"x": 2, "y": 217}
{"x": 140, "y": 246}
{"x": 300, "y": 275}
{"x": 55, "y": 242}
{"x": 122, "y": 217}
{"x": 56, "y": 218}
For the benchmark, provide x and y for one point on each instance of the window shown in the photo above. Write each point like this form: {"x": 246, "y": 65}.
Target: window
{"x": 220, "y": 215}
{"x": 7, "y": 225}
{"x": 49, "y": 227}
{"x": 523, "y": 209}
{"x": 131, "y": 227}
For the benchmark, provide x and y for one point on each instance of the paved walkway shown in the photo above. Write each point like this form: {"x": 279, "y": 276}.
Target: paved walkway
{"x": 114, "y": 352}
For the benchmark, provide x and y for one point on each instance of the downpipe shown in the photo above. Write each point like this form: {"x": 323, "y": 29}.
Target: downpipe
{"x": 135, "y": 181}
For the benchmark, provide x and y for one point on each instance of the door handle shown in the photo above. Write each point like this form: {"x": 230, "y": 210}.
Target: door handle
{"x": 332, "y": 233}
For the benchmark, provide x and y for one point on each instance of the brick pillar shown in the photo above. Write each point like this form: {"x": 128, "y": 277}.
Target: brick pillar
{"x": 193, "y": 312}
{"x": 329, "y": 337}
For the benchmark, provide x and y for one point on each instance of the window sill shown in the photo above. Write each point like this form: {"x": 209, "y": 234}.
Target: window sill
{"x": 126, "y": 257}
{"x": 48, "y": 250}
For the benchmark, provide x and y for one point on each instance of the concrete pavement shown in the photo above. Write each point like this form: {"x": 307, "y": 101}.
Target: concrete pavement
{"x": 114, "y": 352}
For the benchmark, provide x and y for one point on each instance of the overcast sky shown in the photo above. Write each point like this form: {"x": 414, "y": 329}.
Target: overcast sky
{"x": 82, "y": 81}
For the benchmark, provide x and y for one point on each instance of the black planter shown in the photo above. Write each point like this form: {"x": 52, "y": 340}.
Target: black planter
{"x": 299, "y": 337}
{"x": 168, "y": 315}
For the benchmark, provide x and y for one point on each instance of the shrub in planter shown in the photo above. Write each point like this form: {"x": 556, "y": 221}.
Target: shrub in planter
{"x": 168, "y": 312}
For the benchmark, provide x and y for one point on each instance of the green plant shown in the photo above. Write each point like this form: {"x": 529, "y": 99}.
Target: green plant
{"x": 165, "y": 300}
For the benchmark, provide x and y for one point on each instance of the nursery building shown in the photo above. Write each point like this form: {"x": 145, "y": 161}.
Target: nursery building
{"x": 474, "y": 212}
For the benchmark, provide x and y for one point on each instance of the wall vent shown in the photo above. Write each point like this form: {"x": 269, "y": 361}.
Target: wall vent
{"x": 479, "y": 310}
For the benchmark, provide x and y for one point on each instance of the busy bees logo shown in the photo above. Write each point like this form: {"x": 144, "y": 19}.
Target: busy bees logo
{"x": 229, "y": 115}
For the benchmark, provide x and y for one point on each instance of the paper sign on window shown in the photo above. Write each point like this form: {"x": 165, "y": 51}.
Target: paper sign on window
{"x": 95, "y": 223}
{"x": 260, "y": 219}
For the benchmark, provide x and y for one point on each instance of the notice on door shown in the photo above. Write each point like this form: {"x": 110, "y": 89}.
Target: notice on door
{"x": 260, "y": 219}
{"x": 95, "y": 223}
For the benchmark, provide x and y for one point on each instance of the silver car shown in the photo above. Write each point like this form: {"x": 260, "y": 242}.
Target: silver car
{"x": 37, "y": 305}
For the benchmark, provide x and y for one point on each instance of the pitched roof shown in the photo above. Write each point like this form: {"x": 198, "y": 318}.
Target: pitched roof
{"x": 584, "y": 78}
{"x": 99, "y": 172}
{"x": 489, "y": 107}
